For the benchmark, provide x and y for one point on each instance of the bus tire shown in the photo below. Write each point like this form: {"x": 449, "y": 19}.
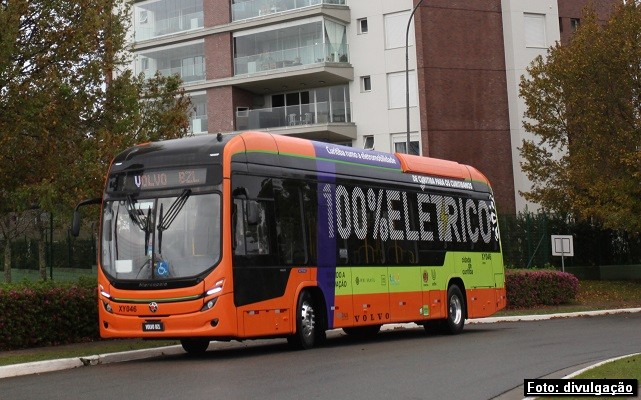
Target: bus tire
{"x": 363, "y": 331}
{"x": 455, "y": 311}
{"x": 307, "y": 326}
{"x": 195, "y": 346}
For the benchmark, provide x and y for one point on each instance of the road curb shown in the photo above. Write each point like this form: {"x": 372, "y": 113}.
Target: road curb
{"x": 544, "y": 317}
{"x": 38, "y": 367}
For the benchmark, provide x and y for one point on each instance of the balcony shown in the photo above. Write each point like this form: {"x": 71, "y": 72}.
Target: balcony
{"x": 259, "y": 8}
{"x": 165, "y": 17}
{"x": 320, "y": 121}
{"x": 186, "y": 61}
{"x": 189, "y": 72}
{"x": 294, "y": 57}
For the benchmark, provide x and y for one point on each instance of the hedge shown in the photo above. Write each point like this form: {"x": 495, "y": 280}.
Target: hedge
{"x": 45, "y": 314}
{"x": 530, "y": 288}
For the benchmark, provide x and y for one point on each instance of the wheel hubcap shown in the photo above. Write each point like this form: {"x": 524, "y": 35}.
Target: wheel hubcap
{"x": 456, "y": 311}
{"x": 308, "y": 319}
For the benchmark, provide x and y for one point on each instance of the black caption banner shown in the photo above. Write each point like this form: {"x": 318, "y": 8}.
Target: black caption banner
{"x": 581, "y": 387}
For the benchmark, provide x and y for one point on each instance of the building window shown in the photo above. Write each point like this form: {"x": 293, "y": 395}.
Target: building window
{"x": 560, "y": 24}
{"x": 574, "y": 23}
{"x": 396, "y": 87}
{"x": 362, "y": 26}
{"x": 366, "y": 83}
{"x": 535, "y": 30}
{"x": 399, "y": 143}
{"x": 395, "y": 29}
{"x": 368, "y": 142}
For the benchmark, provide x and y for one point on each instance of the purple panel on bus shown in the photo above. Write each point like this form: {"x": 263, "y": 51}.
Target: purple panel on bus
{"x": 350, "y": 154}
{"x": 326, "y": 241}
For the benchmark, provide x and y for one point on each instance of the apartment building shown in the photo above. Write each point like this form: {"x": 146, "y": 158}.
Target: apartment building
{"x": 334, "y": 71}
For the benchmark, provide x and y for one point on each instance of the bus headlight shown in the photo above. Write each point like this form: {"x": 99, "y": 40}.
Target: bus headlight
{"x": 107, "y": 307}
{"x": 218, "y": 287}
{"x": 104, "y": 293}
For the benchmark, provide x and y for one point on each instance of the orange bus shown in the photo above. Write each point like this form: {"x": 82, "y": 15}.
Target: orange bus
{"x": 257, "y": 235}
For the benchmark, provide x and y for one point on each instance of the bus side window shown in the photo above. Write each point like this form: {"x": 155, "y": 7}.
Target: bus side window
{"x": 289, "y": 224}
{"x": 238, "y": 217}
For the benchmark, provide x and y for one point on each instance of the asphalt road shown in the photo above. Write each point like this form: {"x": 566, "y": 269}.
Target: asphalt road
{"x": 485, "y": 361}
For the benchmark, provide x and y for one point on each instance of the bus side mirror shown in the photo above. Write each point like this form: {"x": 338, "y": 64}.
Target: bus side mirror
{"x": 75, "y": 223}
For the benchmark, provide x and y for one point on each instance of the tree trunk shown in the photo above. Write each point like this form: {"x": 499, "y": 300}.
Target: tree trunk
{"x": 7, "y": 261}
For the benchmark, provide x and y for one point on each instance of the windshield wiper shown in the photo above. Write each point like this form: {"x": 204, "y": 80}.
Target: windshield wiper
{"x": 134, "y": 214}
{"x": 165, "y": 221}
{"x": 145, "y": 225}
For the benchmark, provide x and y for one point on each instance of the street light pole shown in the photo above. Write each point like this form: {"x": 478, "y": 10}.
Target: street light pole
{"x": 407, "y": 75}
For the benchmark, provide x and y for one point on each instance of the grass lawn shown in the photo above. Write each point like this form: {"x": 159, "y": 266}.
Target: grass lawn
{"x": 625, "y": 368}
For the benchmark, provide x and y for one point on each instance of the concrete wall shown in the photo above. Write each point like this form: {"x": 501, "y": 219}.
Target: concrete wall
{"x": 517, "y": 58}
{"x": 368, "y": 56}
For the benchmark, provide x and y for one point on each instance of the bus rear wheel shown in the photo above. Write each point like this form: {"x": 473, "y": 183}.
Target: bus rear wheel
{"x": 195, "y": 346}
{"x": 307, "y": 323}
{"x": 455, "y": 311}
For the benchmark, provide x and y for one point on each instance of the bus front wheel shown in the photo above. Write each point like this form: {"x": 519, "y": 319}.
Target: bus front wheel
{"x": 307, "y": 323}
{"x": 455, "y": 310}
{"x": 195, "y": 346}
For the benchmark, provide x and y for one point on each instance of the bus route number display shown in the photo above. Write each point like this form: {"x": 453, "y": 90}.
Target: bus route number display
{"x": 167, "y": 179}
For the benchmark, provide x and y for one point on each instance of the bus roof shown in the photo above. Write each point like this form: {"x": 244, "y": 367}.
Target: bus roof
{"x": 253, "y": 146}
{"x": 287, "y": 145}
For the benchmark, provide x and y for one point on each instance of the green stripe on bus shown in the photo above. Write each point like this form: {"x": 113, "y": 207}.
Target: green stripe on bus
{"x": 477, "y": 270}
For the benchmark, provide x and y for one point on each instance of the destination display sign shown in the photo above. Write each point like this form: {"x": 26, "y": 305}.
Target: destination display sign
{"x": 159, "y": 179}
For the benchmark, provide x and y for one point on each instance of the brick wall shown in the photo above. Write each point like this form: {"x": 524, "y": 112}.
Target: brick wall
{"x": 463, "y": 89}
{"x": 217, "y": 12}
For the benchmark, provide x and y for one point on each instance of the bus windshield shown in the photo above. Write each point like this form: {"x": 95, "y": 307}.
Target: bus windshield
{"x": 161, "y": 238}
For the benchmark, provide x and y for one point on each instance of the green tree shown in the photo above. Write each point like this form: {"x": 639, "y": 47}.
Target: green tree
{"x": 584, "y": 109}
{"x": 63, "y": 112}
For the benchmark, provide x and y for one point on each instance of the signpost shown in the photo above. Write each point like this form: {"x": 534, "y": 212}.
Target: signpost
{"x": 562, "y": 245}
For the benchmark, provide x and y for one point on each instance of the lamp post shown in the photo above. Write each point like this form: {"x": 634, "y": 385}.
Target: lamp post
{"x": 407, "y": 75}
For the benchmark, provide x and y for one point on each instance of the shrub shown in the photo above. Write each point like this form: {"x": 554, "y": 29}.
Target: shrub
{"x": 47, "y": 313}
{"x": 539, "y": 287}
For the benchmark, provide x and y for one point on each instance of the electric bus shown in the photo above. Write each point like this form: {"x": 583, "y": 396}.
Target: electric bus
{"x": 258, "y": 235}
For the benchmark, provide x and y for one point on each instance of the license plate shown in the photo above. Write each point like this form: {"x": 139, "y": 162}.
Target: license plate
{"x": 153, "y": 326}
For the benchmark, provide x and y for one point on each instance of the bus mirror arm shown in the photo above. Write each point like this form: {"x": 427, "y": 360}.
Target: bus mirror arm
{"x": 75, "y": 223}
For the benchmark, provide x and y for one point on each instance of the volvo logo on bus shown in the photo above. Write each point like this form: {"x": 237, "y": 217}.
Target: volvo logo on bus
{"x": 153, "y": 306}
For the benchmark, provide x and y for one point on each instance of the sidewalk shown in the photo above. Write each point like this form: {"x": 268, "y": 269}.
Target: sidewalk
{"x": 38, "y": 367}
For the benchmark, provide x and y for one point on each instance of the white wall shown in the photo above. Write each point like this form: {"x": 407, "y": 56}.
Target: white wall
{"x": 368, "y": 56}
{"x": 517, "y": 58}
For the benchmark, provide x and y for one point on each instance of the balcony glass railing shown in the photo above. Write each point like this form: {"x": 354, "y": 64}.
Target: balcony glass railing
{"x": 190, "y": 73}
{"x": 290, "y": 58}
{"x": 198, "y": 124}
{"x": 154, "y": 28}
{"x": 259, "y": 8}
{"x": 294, "y": 116}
